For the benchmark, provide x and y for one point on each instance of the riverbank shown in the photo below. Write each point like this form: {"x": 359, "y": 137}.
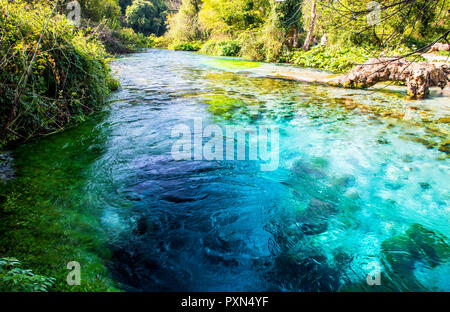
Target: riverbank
{"x": 54, "y": 76}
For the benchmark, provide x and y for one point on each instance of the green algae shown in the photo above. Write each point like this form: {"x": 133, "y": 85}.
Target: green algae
{"x": 233, "y": 64}
{"x": 400, "y": 256}
{"x": 222, "y": 105}
{"x": 46, "y": 217}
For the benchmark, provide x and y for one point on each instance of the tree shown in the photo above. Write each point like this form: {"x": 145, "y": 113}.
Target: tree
{"x": 96, "y": 10}
{"x": 124, "y": 4}
{"x": 184, "y": 26}
{"x": 390, "y": 22}
{"x": 147, "y": 17}
{"x": 173, "y": 5}
{"x": 312, "y": 23}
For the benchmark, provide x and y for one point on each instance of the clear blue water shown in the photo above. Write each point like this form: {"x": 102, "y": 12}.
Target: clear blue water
{"x": 352, "y": 186}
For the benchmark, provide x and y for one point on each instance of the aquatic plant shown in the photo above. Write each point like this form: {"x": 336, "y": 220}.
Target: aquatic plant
{"x": 222, "y": 105}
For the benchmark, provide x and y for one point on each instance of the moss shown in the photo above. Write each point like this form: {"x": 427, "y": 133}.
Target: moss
{"x": 445, "y": 147}
{"x": 223, "y": 63}
{"x": 416, "y": 244}
{"x": 222, "y": 105}
{"x": 46, "y": 217}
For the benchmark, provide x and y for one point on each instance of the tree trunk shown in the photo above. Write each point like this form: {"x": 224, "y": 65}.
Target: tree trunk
{"x": 418, "y": 77}
{"x": 295, "y": 37}
{"x": 311, "y": 26}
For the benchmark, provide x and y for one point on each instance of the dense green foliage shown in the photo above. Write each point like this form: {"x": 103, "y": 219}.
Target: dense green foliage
{"x": 336, "y": 59}
{"x": 146, "y": 16}
{"x": 96, "y": 10}
{"x": 268, "y": 30}
{"x": 52, "y": 74}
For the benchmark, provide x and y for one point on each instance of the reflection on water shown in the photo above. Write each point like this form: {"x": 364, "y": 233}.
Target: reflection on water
{"x": 363, "y": 177}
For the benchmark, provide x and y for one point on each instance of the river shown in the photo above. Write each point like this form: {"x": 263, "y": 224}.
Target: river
{"x": 359, "y": 181}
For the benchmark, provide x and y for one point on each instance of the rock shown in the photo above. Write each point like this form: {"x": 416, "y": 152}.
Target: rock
{"x": 445, "y": 147}
{"x": 425, "y": 185}
{"x": 320, "y": 209}
{"x": 418, "y": 77}
{"x": 303, "y": 169}
{"x": 402, "y": 254}
{"x": 428, "y": 144}
{"x": 383, "y": 141}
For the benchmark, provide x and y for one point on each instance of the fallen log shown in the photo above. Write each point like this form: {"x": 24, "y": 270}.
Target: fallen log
{"x": 418, "y": 77}
{"x": 440, "y": 47}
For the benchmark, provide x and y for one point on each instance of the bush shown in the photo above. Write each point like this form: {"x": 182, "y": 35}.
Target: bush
{"x": 223, "y": 47}
{"x": 13, "y": 278}
{"x": 68, "y": 79}
{"x": 187, "y": 46}
{"x": 335, "y": 59}
{"x": 96, "y": 10}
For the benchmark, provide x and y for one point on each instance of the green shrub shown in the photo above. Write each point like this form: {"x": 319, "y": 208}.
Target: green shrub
{"x": 222, "y": 47}
{"x": 147, "y": 16}
{"x": 96, "y": 10}
{"x": 187, "y": 46}
{"x": 336, "y": 59}
{"x": 13, "y": 278}
{"x": 157, "y": 42}
{"x": 68, "y": 79}
{"x": 132, "y": 40}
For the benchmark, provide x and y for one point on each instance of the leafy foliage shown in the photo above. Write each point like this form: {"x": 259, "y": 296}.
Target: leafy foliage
{"x": 13, "y": 278}
{"x": 147, "y": 16}
{"x": 96, "y": 10}
{"x": 338, "y": 59}
{"x": 187, "y": 46}
{"x": 184, "y": 25}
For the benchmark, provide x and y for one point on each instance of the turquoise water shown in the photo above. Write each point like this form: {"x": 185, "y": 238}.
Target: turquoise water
{"x": 360, "y": 179}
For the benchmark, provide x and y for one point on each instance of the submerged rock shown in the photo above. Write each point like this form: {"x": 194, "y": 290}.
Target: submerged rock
{"x": 310, "y": 273}
{"x": 320, "y": 209}
{"x": 417, "y": 246}
{"x": 314, "y": 219}
{"x": 445, "y": 147}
